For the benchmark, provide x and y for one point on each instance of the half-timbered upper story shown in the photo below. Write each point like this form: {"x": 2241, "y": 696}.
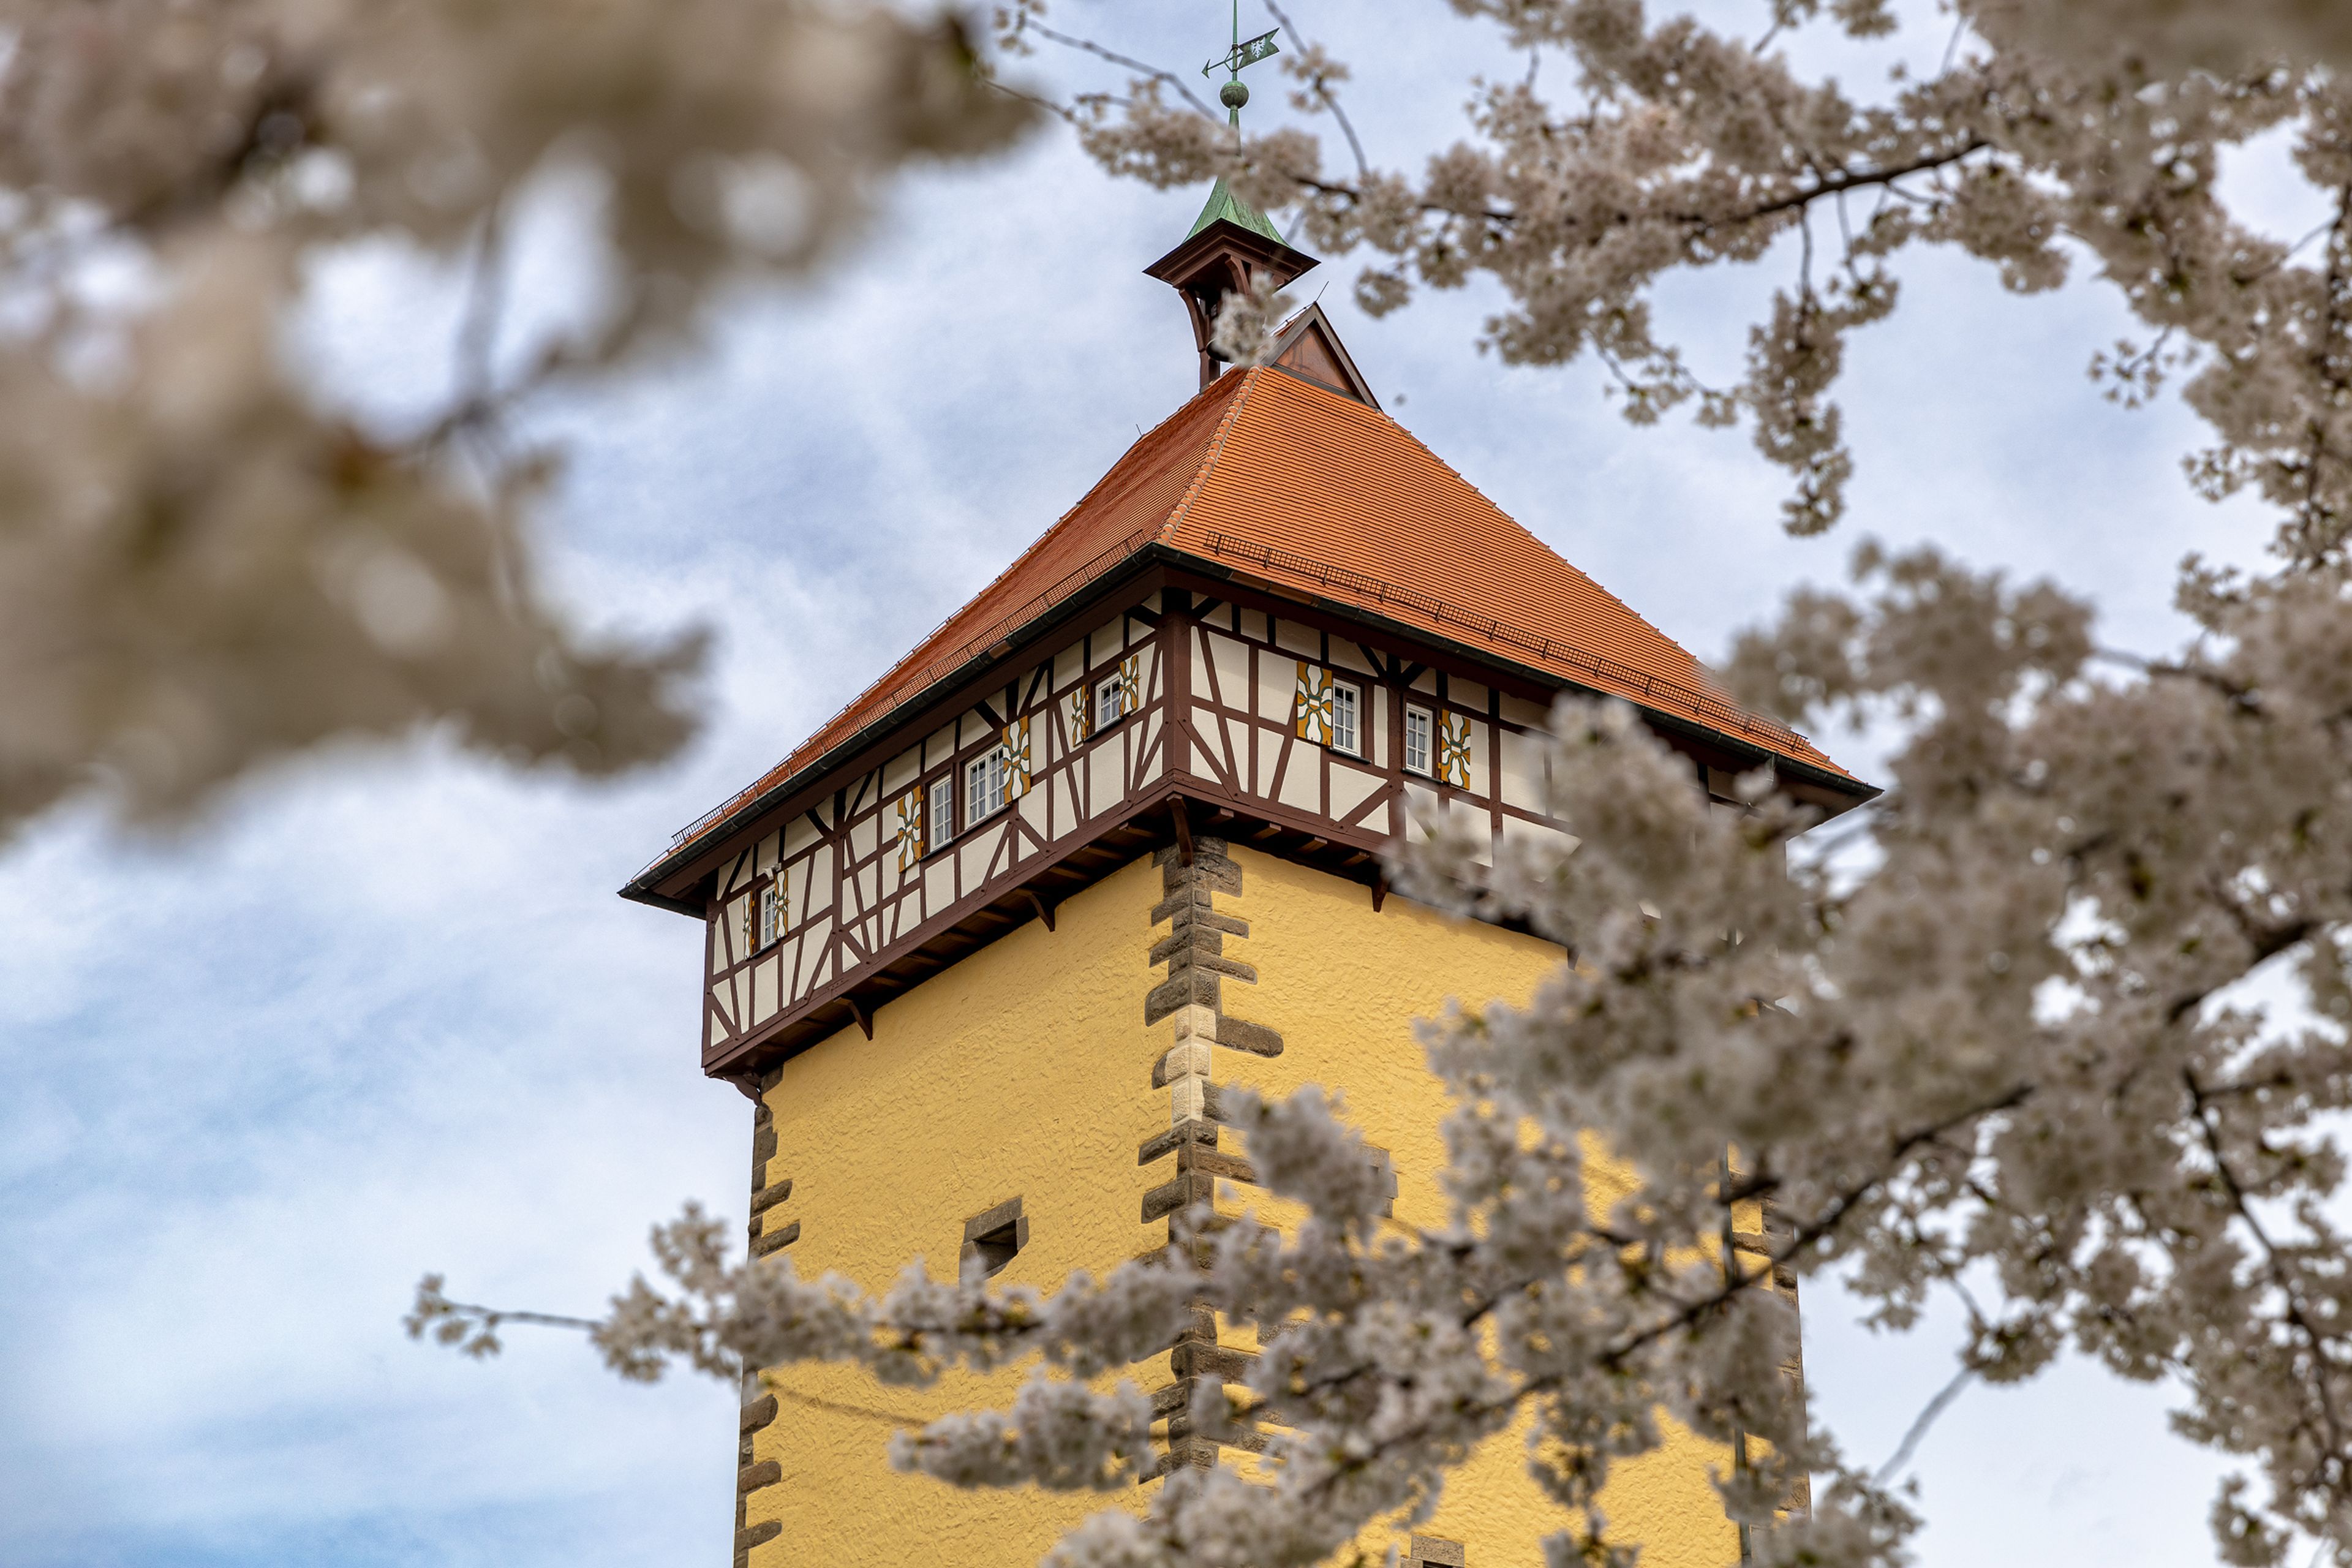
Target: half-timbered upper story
{"x": 1278, "y": 619}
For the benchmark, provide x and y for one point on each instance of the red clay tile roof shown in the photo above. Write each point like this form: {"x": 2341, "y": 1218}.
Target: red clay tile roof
{"x": 1276, "y": 477}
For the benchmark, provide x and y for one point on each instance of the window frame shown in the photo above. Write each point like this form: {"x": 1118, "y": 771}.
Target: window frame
{"x": 1427, "y": 767}
{"x": 991, "y": 765}
{"x": 938, "y": 828}
{"x": 1111, "y": 686}
{"x": 1354, "y": 747}
{"x": 770, "y": 915}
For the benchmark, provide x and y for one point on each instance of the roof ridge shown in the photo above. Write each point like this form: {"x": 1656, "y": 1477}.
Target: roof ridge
{"x": 1208, "y": 462}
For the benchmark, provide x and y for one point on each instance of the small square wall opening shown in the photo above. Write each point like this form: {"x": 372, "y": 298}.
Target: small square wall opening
{"x": 993, "y": 1237}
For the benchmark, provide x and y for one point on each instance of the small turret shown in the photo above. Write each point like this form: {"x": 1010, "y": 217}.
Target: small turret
{"x": 1231, "y": 243}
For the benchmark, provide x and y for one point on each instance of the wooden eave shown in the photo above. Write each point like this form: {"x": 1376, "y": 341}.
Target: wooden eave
{"x": 1482, "y": 664}
{"x": 1273, "y": 254}
{"x": 667, "y": 882}
{"x": 670, "y": 883}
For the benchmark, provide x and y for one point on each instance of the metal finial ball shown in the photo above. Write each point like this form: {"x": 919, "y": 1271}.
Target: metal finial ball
{"x": 1234, "y": 94}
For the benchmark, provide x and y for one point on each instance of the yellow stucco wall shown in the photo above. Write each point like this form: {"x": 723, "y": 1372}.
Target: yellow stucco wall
{"x": 1026, "y": 1070}
{"x": 1343, "y": 985}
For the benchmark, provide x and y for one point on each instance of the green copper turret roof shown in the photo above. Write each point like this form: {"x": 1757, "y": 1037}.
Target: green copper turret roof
{"x": 1223, "y": 204}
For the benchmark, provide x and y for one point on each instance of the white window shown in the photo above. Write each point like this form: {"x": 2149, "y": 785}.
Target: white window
{"x": 940, "y": 811}
{"x": 1345, "y": 732}
{"x": 983, "y": 787}
{"x": 771, "y": 912}
{"x": 1107, "y": 704}
{"x": 1416, "y": 739}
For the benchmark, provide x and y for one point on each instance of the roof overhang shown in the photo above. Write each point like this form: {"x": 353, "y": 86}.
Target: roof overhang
{"x": 667, "y": 882}
{"x": 1180, "y": 264}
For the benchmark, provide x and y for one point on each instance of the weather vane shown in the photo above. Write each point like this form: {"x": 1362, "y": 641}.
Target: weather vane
{"x": 1245, "y": 52}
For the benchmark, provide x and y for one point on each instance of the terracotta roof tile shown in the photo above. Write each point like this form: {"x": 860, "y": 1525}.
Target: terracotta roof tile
{"x": 1271, "y": 475}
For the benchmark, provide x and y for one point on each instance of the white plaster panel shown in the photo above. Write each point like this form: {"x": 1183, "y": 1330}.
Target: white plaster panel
{"x": 1482, "y": 757}
{"x": 1254, "y": 624}
{"x": 1522, "y": 769}
{"x": 1302, "y": 782}
{"x": 730, "y": 930}
{"x": 1519, "y": 830}
{"x": 862, "y": 835}
{"x": 1269, "y": 758}
{"x": 1377, "y": 722}
{"x": 1069, "y": 665}
{"x": 1237, "y": 735}
{"x": 1427, "y": 682}
{"x": 898, "y": 773}
{"x": 1151, "y": 601}
{"x": 939, "y": 747}
{"x": 743, "y": 987}
{"x": 1350, "y": 787}
{"x": 1212, "y": 760}
{"x": 819, "y": 892}
{"x": 1233, "y": 670}
{"x": 939, "y": 884}
{"x": 973, "y": 855}
{"x": 763, "y": 990}
{"x": 788, "y": 967}
{"x": 972, "y": 729}
{"x": 720, "y": 999}
{"x": 1348, "y": 655}
{"x": 798, "y": 834}
{"x": 1519, "y": 711}
{"x": 1466, "y": 815}
{"x": 1105, "y": 769}
{"x": 1303, "y": 640}
{"x": 1420, "y": 803}
{"x": 1034, "y": 812}
{"x": 1467, "y": 695}
{"x": 1277, "y": 687}
{"x": 1377, "y": 819}
{"x": 716, "y": 1033}
{"x": 1106, "y": 641}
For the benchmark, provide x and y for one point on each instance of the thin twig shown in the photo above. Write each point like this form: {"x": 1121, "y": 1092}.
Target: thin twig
{"x": 486, "y": 292}
{"x": 1901, "y": 1458}
{"x": 1324, "y": 95}
{"x": 1089, "y": 46}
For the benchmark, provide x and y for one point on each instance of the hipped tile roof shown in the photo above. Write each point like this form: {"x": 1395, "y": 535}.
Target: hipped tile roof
{"x": 1269, "y": 475}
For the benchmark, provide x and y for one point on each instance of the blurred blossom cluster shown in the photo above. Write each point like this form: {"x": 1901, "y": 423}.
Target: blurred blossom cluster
{"x": 202, "y": 564}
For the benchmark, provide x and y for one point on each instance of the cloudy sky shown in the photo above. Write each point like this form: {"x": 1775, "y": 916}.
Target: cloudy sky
{"x": 382, "y": 1014}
